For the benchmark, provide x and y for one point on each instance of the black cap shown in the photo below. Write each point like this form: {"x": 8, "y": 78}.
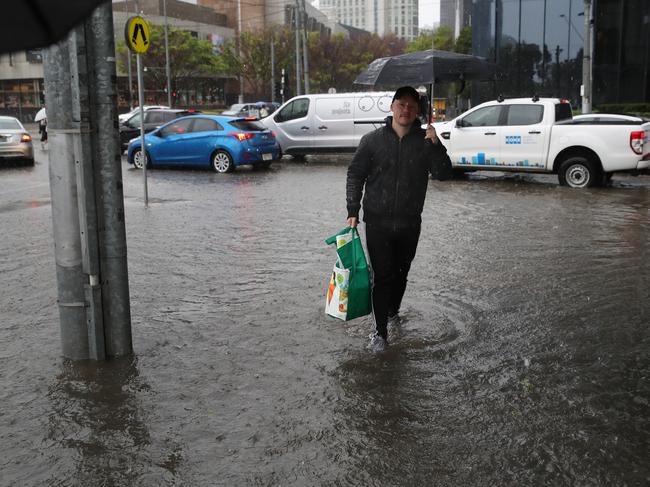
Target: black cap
{"x": 406, "y": 91}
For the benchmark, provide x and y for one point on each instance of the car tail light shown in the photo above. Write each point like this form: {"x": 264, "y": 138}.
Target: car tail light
{"x": 25, "y": 138}
{"x": 250, "y": 119}
{"x": 273, "y": 134}
{"x": 242, "y": 136}
{"x": 636, "y": 141}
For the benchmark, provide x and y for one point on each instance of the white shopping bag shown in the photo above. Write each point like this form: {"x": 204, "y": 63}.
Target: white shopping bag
{"x": 336, "y": 303}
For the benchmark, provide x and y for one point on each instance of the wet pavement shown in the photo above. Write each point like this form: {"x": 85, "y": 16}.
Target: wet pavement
{"x": 524, "y": 358}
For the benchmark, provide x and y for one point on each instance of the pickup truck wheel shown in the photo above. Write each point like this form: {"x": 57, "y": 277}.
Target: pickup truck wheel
{"x": 578, "y": 172}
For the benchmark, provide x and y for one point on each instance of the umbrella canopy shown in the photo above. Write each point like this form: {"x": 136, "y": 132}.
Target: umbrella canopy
{"x": 419, "y": 67}
{"x": 40, "y": 115}
{"x": 30, "y": 24}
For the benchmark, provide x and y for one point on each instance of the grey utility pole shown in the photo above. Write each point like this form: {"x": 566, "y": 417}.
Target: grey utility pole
{"x": 296, "y": 14}
{"x": 167, "y": 69}
{"x": 128, "y": 65}
{"x": 587, "y": 59}
{"x": 305, "y": 47}
{"x": 86, "y": 189}
{"x": 272, "y": 67}
{"x": 240, "y": 98}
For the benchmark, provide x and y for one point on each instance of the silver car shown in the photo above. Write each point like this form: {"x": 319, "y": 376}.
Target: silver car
{"x": 15, "y": 141}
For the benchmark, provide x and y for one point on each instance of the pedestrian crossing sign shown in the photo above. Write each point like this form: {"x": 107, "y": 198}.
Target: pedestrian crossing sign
{"x": 137, "y": 34}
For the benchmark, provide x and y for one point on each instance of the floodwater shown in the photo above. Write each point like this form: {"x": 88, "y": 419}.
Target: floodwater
{"x": 524, "y": 358}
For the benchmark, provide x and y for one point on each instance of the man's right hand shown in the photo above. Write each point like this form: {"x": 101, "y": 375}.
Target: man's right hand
{"x": 353, "y": 221}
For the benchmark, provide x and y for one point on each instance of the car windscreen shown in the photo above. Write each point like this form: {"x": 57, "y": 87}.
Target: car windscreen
{"x": 9, "y": 124}
{"x": 250, "y": 125}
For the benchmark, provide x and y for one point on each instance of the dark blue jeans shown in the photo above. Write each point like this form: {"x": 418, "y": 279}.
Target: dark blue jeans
{"x": 391, "y": 250}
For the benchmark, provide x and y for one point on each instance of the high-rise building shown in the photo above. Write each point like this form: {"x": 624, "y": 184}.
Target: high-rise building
{"x": 538, "y": 46}
{"x": 455, "y": 14}
{"x": 399, "y": 17}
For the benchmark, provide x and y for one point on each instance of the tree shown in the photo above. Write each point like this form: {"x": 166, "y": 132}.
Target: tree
{"x": 254, "y": 63}
{"x": 334, "y": 61}
{"x": 192, "y": 61}
{"x": 464, "y": 41}
{"x": 443, "y": 38}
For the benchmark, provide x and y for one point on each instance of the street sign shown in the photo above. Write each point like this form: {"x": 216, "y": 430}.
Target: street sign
{"x": 137, "y": 34}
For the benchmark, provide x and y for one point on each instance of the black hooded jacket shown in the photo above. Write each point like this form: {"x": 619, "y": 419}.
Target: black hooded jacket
{"x": 395, "y": 174}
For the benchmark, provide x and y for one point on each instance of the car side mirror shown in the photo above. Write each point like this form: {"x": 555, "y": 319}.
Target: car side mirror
{"x": 460, "y": 123}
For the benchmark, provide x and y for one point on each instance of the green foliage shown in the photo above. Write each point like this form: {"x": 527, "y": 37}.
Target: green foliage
{"x": 444, "y": 40}
{"x": 189, "y": 59}
{"x": 640, "y": 109}
{"x": 464, "y": 41}
{"x": 334, "y": 61}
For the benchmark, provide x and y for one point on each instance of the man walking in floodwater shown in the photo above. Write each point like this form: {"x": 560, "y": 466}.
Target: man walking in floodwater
{"x": 392, "y": 166}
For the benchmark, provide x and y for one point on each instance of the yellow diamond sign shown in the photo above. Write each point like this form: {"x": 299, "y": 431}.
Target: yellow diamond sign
{"x": 136, "y": 34}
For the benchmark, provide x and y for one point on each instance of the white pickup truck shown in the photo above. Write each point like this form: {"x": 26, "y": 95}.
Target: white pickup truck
{"x": 540, "y": 135}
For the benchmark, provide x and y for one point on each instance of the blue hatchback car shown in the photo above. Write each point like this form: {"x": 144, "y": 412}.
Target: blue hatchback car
{"x": 221, "y": 143}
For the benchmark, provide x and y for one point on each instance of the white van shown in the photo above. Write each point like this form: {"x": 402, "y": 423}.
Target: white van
{"x": 321, "y": 123}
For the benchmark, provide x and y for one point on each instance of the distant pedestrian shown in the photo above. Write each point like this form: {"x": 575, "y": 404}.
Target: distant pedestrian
{"x": 390, "y": 169}
{"x": 42, "y": 129}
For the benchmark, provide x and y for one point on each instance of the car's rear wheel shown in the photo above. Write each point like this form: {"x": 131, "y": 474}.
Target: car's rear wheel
{"x": 138, "y": 159}
{"x": 222, "y": 162}
{"x": 578, "y": 172}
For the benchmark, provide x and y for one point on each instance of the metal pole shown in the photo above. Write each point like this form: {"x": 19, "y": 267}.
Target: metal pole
{"x": 241, "y": 78}
{"x": 167, "y": 69}
{"x": 305, "y": 47}
{"x": 85, "y": 184}
{"x": 62, "y": 129}
{"x": 297, "y": 31}
{"x": 128, "y": 58}
{"x": 272, "y": 67}
{"x": 587, "y": 59}
{"x": 111, "y": 277}
{"x": 433, "y": 73}
{"x": 568, "y": 42}
{"x": 142, "y": 146}
{"x": 544, "y": 49}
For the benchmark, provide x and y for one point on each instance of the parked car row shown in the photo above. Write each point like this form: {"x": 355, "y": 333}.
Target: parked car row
{"x": 153, "y": 118}
{"x": 259, "y": 109}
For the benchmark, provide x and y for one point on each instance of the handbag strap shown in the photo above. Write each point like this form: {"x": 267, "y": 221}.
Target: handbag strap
{"x": 355, "y": 235}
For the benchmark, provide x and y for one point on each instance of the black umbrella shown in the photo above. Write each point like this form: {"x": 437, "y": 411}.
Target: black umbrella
{"x": 30, "y": 24}
{"x": 417, "y": 68}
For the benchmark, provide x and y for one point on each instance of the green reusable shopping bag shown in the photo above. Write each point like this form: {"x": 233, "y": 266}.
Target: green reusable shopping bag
{"x": 348, "y": 293}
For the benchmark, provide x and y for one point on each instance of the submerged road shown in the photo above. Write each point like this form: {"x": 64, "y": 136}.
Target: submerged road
{"x": 524, "y": 359}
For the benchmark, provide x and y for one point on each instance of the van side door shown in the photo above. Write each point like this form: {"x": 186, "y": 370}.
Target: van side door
{"x": 295, "y": 127}
{"x": 333, "y": 122}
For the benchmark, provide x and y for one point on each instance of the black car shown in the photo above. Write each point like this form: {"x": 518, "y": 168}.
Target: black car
{"x": 153, "y": 119}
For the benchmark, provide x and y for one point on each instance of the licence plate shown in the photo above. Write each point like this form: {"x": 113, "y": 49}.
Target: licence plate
{"x": 267, "y": 157}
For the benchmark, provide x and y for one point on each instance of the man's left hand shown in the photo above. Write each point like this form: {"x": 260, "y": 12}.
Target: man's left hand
{"x": 431, "y": 134}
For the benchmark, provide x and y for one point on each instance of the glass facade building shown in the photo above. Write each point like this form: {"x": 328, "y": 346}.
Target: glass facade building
{"x": 538, "y": 46}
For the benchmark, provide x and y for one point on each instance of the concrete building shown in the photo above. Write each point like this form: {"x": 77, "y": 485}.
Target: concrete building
{"x": 381, "y": 17}
{"x": 455, "y": 14}
{"x": 21, "y": 73}
{"x": 538, "y": 47}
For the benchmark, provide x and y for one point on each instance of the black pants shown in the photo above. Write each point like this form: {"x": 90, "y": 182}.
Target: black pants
{"x": 391, "y": 250}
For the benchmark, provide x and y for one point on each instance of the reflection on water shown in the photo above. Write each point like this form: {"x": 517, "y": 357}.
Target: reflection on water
{"x": 96, "y": 430}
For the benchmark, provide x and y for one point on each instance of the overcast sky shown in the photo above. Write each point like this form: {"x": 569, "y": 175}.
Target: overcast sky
{"x": 429, "y": 12}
